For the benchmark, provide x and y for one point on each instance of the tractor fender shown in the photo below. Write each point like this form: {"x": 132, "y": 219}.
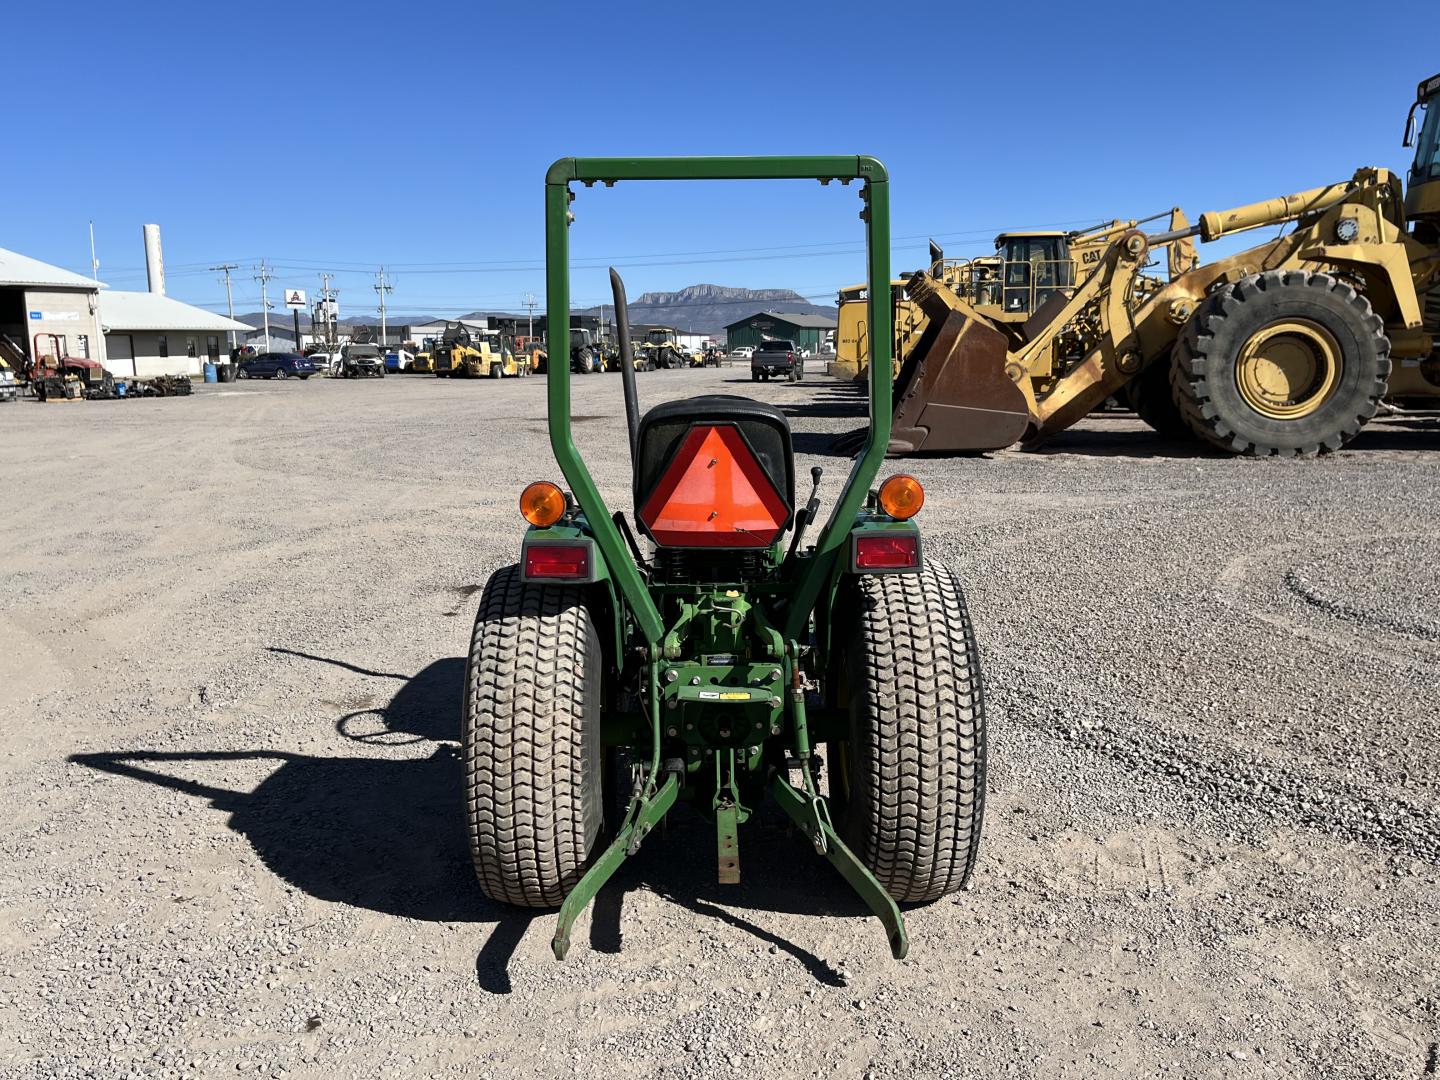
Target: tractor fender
{"x": 866, "y": 523}
{"x": 610, "y": 623}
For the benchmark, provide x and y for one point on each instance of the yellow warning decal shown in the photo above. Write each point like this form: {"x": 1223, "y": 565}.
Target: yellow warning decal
{"x": 735, "y": 695}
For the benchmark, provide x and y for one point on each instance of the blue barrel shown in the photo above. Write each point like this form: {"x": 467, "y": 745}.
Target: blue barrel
{"x": 210, "y": 373}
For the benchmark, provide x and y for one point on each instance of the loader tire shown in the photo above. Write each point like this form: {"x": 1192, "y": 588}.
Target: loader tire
{"x": 531, "y": 740}
{"x": 1149, "y": 394}
{"x": 913, "y": 771}
{"x": 1284, "y": 363}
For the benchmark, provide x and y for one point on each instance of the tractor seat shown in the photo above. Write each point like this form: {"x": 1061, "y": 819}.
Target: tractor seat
{"x": 765, "y": 430}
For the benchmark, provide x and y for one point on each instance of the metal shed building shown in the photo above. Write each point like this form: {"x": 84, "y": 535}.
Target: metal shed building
{"x": 807, "y": 331}
{"x": 43, "y": 307}
{"x": 148, "y": 334}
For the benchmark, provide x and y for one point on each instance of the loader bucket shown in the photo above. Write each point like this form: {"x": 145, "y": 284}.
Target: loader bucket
{"x": 953, "y": 394}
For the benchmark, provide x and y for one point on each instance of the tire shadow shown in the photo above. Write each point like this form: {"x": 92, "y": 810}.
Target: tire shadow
{"x": 375, "y": 832}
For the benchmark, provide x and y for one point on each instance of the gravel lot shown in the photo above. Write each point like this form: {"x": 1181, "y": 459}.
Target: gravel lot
{"x": 233, "y": 631}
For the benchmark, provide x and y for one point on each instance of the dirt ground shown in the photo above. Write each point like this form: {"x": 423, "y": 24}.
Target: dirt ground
{"x": 232, "y": 631}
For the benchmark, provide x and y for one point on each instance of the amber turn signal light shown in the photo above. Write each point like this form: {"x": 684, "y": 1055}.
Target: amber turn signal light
{"x": 542, "y": 504}
{"x": 901, "y": 497}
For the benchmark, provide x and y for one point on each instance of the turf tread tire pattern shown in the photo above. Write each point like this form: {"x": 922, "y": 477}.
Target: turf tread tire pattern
{"x": 917, "y": 748}
{"x": 531, "y": 740}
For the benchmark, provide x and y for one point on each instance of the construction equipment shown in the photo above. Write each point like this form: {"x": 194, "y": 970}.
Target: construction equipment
{"x": 614, "y": 358}
{"x": 9, "y": 383}
{"x": 530, "y": 350}
{"x": 588, "y": 355}
{"x": 1285, "y": 348}
{"x": 424, "y": 356}
{"x": 661, "y": 348}
{"x": 1027, "y": 269}
{"x": 476, "y": 354}
{"x": 605, "y": 684}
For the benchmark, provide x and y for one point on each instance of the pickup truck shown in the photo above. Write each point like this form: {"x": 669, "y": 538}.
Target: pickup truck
{"x": 776, "y": 357}
{"x": 361, "y": 360}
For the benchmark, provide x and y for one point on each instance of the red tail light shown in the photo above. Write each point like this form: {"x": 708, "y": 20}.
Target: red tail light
{"x": 790, "y": 357}
{"x": 887, "y": 551}
{"x": 715, "y": 494}
{"x": 557, "y": 562}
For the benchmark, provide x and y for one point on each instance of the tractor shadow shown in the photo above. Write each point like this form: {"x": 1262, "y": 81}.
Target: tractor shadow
{"x": 780, "y": 873}
{"x": 386, "y": 834}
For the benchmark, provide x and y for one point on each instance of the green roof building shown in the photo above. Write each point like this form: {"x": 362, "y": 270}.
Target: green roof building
{"x": 807, "y": 331}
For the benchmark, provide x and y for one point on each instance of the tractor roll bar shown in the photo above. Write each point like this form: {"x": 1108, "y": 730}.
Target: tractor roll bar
{"x": 874, "y": 191}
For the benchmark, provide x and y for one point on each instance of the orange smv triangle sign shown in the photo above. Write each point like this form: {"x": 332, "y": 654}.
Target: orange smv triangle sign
{"x": 715, "y": 494}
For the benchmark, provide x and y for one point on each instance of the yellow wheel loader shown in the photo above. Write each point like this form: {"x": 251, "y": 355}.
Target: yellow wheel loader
{"x": 475, "y": 354}
{"x": 1285, "y": 348}
{"x": 1009, "y": 287}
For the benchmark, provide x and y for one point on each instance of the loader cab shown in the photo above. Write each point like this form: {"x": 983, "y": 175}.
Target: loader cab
{"x": 1034, "y": 267}
{"x": 1422, "y": 197}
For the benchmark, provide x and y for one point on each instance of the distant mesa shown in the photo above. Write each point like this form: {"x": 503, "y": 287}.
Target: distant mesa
{"x": 702, "y": 309}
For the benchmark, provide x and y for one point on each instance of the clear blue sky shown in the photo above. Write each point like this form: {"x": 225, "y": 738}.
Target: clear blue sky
{"x": 344, "y": 136}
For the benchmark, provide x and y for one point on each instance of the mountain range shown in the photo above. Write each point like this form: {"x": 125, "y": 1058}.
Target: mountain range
{"x": 701, "y": 309}
{"x": 708, "y": 309}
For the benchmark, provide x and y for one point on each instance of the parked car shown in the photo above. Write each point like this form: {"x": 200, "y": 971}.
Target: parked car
{"x": 276, "y": 365}
{"x": 777, "y": 356}
{"x": 9, "y": 389}
{"x": 743, "y": 352}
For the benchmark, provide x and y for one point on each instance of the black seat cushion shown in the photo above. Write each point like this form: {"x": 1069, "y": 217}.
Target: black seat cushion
{"x": 766, "y": 430}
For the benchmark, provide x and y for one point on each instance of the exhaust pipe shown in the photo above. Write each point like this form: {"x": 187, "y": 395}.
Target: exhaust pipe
{"x": 627, "y": 362}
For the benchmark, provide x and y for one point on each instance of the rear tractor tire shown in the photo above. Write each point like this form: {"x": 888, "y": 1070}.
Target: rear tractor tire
{"x": 531, "y": 740}
{"x": 912, "y": 775}
{"x": 1286, "y": 363}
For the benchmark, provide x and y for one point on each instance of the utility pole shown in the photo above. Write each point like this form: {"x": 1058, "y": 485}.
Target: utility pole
{"x": 94, "y": 262}
{"x": 263, "y": 276}
{"x": 382, "y": 287}
{"x": 530, "y": 303}
{"x": 225, "y": 269}
{"x": 329, "y": 311}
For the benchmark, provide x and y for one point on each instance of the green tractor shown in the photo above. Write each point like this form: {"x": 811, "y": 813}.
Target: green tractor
{"x": 605, "y": 684}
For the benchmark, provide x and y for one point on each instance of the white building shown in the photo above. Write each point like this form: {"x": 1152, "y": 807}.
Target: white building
{"x": 45, "y": 310}
{"x": 149, "y": 334}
